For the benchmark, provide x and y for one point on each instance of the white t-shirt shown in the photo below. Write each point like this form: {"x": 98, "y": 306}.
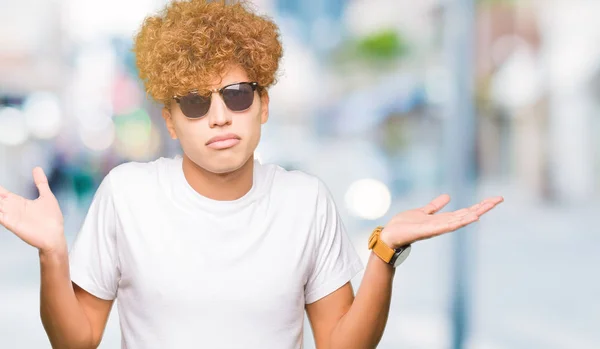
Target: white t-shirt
{"x": 192, "y": 272}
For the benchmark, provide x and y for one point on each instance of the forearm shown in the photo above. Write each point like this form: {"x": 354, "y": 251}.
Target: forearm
{"x": 63, "y": 318}
{"x": 363, "y": 325}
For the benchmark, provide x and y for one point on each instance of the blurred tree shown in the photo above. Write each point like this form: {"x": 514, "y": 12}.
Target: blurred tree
{"x": 384, "y": 45}
{"x": 375, "y": 50}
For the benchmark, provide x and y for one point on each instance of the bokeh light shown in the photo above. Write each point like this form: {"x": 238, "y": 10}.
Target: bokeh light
{"x": 98, "y": 138}
{"x": 13, "y": 129}
{"x": 368, "y": 198}
{"x": 137, "y": 138}
{"x": 43, "y": 114}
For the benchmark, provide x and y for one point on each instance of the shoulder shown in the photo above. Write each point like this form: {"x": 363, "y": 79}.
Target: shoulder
{"x": 128, "y": 169}
{"x": 298, "y": 184}
{"x": 136, "y": 177}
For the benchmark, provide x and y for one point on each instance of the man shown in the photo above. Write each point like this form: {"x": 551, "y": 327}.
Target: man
{"x": 213, "y": 249}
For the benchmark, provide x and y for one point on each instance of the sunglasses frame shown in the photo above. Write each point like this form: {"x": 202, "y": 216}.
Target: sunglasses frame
{"x": 253, "y": 84}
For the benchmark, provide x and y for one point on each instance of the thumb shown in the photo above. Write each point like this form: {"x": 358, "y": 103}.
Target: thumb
{"x": 437, "y": 204}
{"x": 41, "y": 182}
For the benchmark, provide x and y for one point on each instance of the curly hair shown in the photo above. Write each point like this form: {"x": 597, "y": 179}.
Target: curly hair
{"x": 191, "y": 42}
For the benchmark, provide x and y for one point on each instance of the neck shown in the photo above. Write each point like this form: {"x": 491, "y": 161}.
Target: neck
{"x": 219, "y": 186}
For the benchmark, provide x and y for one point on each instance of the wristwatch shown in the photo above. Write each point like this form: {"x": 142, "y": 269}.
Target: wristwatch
{"x": 393, "y": 257}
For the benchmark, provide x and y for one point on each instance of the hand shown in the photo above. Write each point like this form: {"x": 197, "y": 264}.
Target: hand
{"x": 422, "y": 223}
{"x": 38, "y": 222}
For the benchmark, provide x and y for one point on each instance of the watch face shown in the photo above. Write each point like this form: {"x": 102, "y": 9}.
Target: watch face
{"x": 401, "y": 256}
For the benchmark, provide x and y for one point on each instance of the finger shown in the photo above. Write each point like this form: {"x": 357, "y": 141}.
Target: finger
{"x": 447, "y": 216}
{"x": 2, "y": 203}
{"x": 457, "y": 223}
{"x": 436, "y": 204}
{"x": 3, "y": 192}
{"x": 41, "y": 182}
{"x": 486, "y": 205}
{"x": 493, "y": 200}
{"x": 461, "y": 222}
{"x": 460, "y": 213}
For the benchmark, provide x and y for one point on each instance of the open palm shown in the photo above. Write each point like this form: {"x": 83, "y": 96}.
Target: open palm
{"x": 424, "y": 223}
{"x": 38, "y": 222}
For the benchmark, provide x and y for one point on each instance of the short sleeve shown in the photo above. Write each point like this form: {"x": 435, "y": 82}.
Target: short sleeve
{"x": 93, "y": 258}
{"x": 336, "y": 260}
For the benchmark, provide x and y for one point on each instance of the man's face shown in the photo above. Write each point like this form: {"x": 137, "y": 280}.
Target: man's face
{"x": 194, "y": 134}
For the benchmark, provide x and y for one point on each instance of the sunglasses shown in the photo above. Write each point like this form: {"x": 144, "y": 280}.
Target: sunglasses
{"x": 237, "y": 97}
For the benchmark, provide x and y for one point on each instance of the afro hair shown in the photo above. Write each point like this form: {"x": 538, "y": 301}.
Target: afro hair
{"x": 189, "y": 43}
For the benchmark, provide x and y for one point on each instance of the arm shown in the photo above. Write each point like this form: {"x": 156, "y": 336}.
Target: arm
{"x": 71, "y": 317}
{"x": 363, "y": 323}
{"x": 325, "y": 314}
{"x": 341, "y": 321}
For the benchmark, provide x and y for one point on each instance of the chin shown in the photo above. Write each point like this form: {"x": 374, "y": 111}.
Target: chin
{"x": 223, "y": 165}
{"x": 223, "y": 168}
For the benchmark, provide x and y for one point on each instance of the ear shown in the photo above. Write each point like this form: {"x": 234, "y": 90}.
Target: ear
{"x": 264, "y": 113}
{"x": 166, "y": 114}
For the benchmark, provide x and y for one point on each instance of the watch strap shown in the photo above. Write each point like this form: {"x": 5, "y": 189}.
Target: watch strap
{"x": 382, "y": 250}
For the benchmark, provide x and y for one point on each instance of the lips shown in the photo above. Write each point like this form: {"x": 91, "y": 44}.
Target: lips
{"x": 225, "y": 137}
{"x": 223, "y": 141}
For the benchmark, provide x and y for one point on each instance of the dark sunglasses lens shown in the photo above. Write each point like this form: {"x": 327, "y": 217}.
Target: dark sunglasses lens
{"x": 238, "y": 97}
{"x": 194, "y": 105}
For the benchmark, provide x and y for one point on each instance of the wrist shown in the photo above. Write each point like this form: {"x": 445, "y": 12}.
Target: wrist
{"x": 58, "y": 247}
{"x": 386, "y": 239}
{"x": 388, "y": 250}
{"x": 393, "y": 243}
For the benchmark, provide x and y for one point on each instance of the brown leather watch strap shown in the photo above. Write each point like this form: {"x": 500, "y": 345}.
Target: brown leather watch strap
{"x": 379, "y": 247}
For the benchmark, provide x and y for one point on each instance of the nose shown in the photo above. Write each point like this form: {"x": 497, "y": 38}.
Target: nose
{"x": 218, "y": 114}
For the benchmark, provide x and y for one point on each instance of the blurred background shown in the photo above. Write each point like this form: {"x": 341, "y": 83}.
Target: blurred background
{"x": 391, "y": 103}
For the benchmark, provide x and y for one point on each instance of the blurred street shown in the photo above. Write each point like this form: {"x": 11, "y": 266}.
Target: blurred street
{"x": 391, "y": 103}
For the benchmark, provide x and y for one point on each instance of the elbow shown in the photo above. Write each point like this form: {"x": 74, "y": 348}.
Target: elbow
{"x": 68, "y": 339}
{"x": 339, "y": 340}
